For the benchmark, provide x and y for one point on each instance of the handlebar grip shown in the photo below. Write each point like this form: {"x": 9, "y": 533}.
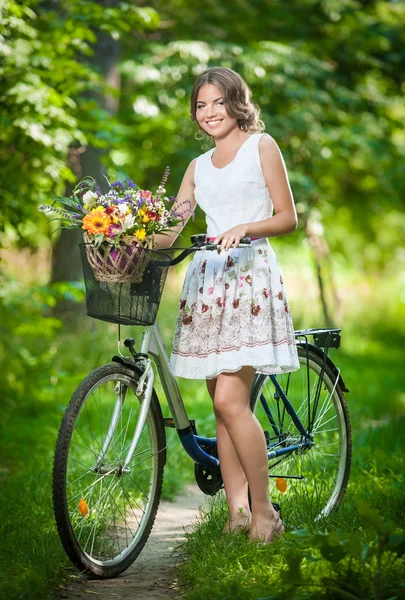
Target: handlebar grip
{"x": 245, "y": 240}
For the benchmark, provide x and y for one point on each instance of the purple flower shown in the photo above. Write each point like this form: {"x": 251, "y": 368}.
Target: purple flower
{"x": 118, "y": 184}
{"x": 97, "y": 189}
{"x": 130, "y": 183}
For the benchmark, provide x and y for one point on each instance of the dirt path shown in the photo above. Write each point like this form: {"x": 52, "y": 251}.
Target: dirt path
{"x": 151, "y": 576}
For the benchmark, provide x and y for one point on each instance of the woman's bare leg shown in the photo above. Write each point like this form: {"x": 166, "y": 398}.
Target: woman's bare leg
{"x": 246, "y": 448}
{"x": 233, "y": 475}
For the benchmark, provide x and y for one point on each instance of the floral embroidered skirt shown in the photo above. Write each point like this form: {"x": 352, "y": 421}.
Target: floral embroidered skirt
{"x": 233, "y": 311}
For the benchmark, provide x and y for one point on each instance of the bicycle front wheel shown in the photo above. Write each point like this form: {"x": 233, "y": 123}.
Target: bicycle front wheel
{"x": 309, "y": 482}
{"x": 104, "y": 510}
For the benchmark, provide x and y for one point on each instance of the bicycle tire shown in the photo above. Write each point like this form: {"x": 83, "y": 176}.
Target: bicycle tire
{"x": 113, "y": 515}
{"x": 323, "y": 486}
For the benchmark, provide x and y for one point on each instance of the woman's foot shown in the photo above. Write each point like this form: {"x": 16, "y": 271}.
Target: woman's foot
{"x": 238, "y": 522}
{"x": 267, "y": 530}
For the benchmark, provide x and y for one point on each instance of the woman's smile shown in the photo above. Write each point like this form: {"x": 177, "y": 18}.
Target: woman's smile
{"x": 214, "y": 122}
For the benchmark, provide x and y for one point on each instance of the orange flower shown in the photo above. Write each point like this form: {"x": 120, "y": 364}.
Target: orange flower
{"x": 83, "y": 508}
{"x": 281, "y": 484}
{"x": 97, "y": 221}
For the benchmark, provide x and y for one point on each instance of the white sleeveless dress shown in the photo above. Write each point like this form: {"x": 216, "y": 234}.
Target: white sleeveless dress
{"x": 233, "y": 309}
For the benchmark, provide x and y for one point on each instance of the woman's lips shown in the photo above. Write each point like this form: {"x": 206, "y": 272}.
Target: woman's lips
{"x": 214, "y": 123}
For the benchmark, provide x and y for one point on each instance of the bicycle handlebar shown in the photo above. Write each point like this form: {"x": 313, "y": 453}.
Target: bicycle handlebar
{"x": 200, "y": 242}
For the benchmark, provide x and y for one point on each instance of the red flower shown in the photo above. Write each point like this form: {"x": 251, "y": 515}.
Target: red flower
{"x": 219, "y": 302}
{"x": 151, "y": 214}
{"x": 230, "y": 262}
{"x": 286, "y": 308}
{"x": 260, "y": 251}
{"x": 200, "y": 290}
{"x": 280, "y": 295}
{"x": 265, "y": 293}
{"x": 255, "y": 310}
{"x": 281, "y": 280}
{"x": 187, "y": 319}
{"x": 236, "y": 303}
{"x": 109, "y": 210}
{"x": 203, "y": 266}
{"x": 204, "y": 308}
{"x": 248, "y": 279}
{"x": 182, "y": 304}
{"x": 227, "y": 286}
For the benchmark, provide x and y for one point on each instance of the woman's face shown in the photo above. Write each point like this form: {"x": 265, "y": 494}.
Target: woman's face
{"x": 210, "y": 112}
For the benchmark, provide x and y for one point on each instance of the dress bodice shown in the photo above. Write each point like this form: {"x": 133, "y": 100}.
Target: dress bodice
{"x": 235, "y": 194}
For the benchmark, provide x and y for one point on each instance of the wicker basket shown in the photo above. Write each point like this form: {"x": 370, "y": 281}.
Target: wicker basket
{"x": 124, "y": 263}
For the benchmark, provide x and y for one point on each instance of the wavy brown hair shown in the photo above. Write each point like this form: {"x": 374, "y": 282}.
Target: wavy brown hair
{"x": 237, "y": 99}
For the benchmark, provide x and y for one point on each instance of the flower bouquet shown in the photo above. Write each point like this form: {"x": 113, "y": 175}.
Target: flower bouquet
{"x": 119, "y": 226}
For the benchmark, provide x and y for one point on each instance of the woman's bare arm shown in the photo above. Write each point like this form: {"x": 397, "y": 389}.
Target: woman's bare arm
{"x": 285, "y": 219}
{"x": 186, "y": 193}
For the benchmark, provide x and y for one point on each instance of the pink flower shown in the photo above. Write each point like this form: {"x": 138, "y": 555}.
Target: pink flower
{"x": 265, "y": 293}
{"x": 219, "y": 302}
{"x": 280, "y": 295}
{"x": 114, "y": 229}
{"x": 248, "y": 279}
{"x": 204, "y": 307}
{"x": 286, "y": 308}
{"x": 240, "y": 284}
{"x": 210, "y": 290}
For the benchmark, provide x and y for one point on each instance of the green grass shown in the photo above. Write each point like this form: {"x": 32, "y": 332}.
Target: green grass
{"x": 371, "y": 362}
{"x": 44, "y": 364}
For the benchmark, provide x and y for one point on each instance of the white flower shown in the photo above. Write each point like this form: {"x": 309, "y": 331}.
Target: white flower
{"x": 129, "y": 222}
{"x": 89, "y": 196}
{"x": 123, "y": 208}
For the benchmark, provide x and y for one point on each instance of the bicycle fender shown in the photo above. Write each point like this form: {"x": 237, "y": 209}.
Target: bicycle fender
{"x": 320, "y": 353}
{"x": 329, "y": 362}
{"x": 130, "y": 364}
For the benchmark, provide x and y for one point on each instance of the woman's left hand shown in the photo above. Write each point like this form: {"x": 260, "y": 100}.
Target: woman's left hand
{"x": 232, "y": 236}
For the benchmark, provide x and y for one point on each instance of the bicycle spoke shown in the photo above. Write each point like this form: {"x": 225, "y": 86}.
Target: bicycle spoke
{"x": 313, "y": 473}
{"x": 108, "y": 507}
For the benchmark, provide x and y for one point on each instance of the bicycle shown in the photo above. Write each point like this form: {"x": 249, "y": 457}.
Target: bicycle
{"x": 111, "y": 448}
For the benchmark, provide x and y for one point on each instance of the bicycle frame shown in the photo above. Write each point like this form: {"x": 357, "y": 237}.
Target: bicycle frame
{"x": 152, "y": 344}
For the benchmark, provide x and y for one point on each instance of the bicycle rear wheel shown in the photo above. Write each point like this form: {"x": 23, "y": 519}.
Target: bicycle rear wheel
{"x": 104, "y": 512}
{"x": 316, "y": 477}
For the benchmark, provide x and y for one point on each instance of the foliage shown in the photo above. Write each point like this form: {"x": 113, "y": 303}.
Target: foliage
{"x": 335, "y": 107}
{"x": 45, "y": 75}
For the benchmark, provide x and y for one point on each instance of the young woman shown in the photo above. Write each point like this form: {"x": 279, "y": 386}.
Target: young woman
{"x": 234, "y": 318}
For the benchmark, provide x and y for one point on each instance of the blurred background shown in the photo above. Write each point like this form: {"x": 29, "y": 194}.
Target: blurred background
{"x": 102, "y": 88}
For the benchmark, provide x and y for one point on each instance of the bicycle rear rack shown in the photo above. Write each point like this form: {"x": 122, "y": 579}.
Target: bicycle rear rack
{"x": 323, "y": 338}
